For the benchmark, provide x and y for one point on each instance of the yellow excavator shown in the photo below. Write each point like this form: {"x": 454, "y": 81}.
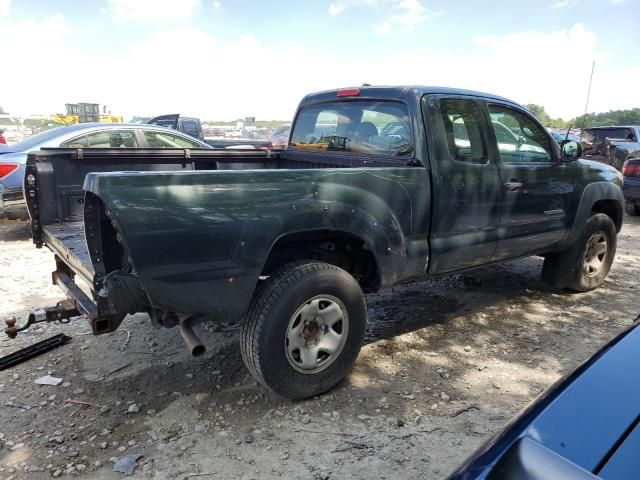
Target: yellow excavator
{"x": 109, "y": 118}
{"x": 82, "y": 113}
{"x": 62, "y": 119}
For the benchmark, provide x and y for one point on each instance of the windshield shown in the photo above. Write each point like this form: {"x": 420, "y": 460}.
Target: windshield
{"x": 355, "y": 127}
{"x": 168, "y": 123}
{"x": 35, "y": 140}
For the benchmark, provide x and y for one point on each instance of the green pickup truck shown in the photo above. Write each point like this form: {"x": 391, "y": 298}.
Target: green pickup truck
{"x": 377, "y": 186}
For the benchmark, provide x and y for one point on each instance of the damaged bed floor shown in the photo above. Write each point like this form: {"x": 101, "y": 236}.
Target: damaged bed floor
{"x": 448, "y": 362}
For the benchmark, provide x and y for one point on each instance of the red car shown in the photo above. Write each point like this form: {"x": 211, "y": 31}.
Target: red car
{"x": 2, "y": 139}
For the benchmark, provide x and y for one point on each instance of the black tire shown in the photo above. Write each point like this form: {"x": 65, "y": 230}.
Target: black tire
{"x": 632, "y": 209}
{"x": 568, "y": 269}
{"x": 264, "y": 335}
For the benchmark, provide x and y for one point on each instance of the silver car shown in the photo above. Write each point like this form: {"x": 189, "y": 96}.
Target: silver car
{"x": 84, "y": 135}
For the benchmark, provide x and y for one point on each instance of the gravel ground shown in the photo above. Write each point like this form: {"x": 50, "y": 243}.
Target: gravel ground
{"x": 447, "y": 363}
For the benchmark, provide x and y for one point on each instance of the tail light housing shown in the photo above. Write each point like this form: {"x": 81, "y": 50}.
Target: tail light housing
{"x": 631, "y": 169}
{"x": 348, "y": 92}
{"x": 7, "y": 168}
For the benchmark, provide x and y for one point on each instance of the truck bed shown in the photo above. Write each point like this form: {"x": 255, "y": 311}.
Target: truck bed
{"x": 55, "y": 196}
{"x": 67, "y": 241}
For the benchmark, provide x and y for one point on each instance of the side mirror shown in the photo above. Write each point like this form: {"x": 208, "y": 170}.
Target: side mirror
{"x": 571, "y": 150}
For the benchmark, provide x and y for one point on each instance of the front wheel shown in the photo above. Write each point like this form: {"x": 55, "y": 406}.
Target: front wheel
{"x": 304, "y": 329}
{"x": 585, "y": 265}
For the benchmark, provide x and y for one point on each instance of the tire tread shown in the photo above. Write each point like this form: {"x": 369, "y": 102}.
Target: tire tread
{"x": 267, "y": 295}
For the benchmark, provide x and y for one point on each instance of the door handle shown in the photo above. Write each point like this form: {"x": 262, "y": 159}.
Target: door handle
{"x": 513, "y": 185}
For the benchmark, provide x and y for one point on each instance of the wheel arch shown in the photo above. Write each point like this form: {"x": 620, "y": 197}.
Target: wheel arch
{"x": 612, "y": 209}
{"x": 597, "y": 197}
{"x": 355, "y": 253}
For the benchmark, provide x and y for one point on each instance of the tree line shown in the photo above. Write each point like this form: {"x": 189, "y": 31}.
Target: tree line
{"x": 612, "y": 117}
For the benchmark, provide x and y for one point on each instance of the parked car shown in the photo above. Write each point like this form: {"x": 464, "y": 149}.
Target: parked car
{"x": 611, "y": 145}
{"x": 192, "y": 126}
{"x": 3, "y": 140}
{"x": 279, "y": 138}
{"x": 585, "y": 427}
{"x": 83, "y": 135}
{"x": 631, "y": 186}
{"x": 288, "y": 242}
{"x": 560, "y": 136}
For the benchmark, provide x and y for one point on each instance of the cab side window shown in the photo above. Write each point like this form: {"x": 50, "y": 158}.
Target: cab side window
{"x": 519, "y": 138}
{"x": 462, "y": 122}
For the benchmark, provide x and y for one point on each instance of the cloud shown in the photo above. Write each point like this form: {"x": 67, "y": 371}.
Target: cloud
{"x": 217, "y": 5}
{"x": 125, "y": 11}
{"x": 4, "y": 8}
{"x": 563, "y": 93}
{"x": 401, "y": 15}
{"x": 336, "y": 9}
{"x": 564, "y": 3}
{"x": 223, "y": 86}
{"x": 340, "y": 6}
{"x": 410, "y": 14}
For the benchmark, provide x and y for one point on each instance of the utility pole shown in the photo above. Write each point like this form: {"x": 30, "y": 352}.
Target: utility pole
{"x": 586, "y": 106}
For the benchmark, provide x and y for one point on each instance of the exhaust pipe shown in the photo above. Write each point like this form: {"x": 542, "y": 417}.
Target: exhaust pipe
{"x": 194, "y": 345}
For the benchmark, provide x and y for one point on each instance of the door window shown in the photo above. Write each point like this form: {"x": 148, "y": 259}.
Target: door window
{"x": 168, "y": 140}
{"x": 519, "y": 138}
{"x": 190, "y": 128}
{"x": 104, "y": 139}
{"x": 462, "y": 122}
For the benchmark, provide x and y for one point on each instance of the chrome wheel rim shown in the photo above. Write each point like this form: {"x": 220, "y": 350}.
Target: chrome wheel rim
{"x": 595, "y": 254}
{"x": 316, "y": 334}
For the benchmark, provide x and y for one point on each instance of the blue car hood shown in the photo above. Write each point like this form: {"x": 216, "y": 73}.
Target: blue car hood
{"x": 10, "y": 156}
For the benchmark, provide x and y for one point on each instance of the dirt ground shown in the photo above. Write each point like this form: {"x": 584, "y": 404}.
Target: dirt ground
{"x": 448, "y": 363}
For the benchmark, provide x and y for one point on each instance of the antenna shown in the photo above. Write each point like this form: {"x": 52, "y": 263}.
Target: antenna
{"x": 586, "y": 106}
{"x": 566, "y": 137}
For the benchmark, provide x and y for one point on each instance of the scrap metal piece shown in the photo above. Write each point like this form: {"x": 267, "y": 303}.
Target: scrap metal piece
{"x": 34, "y": 350}
{"x": 48, "y": 380}
{"x": 127, "y": 463}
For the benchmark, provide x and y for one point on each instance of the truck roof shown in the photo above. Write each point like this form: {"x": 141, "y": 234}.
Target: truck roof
{"x": 397, "y": 92}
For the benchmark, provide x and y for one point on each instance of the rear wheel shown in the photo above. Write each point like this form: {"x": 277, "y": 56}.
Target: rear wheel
{"x": 304, "y": 329}
{"x": 586, "y": 264}
{"x": 632, "y": 209}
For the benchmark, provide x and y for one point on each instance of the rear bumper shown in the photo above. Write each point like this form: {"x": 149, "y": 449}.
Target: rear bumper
{"x": 631, "y": 189}
{"x": 12, "y": 203}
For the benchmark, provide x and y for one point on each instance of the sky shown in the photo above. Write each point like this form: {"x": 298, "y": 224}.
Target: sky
{"x": 227, "y": 59}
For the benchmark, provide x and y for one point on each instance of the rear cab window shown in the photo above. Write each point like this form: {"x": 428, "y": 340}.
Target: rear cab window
{"x": 362, "y": 126}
